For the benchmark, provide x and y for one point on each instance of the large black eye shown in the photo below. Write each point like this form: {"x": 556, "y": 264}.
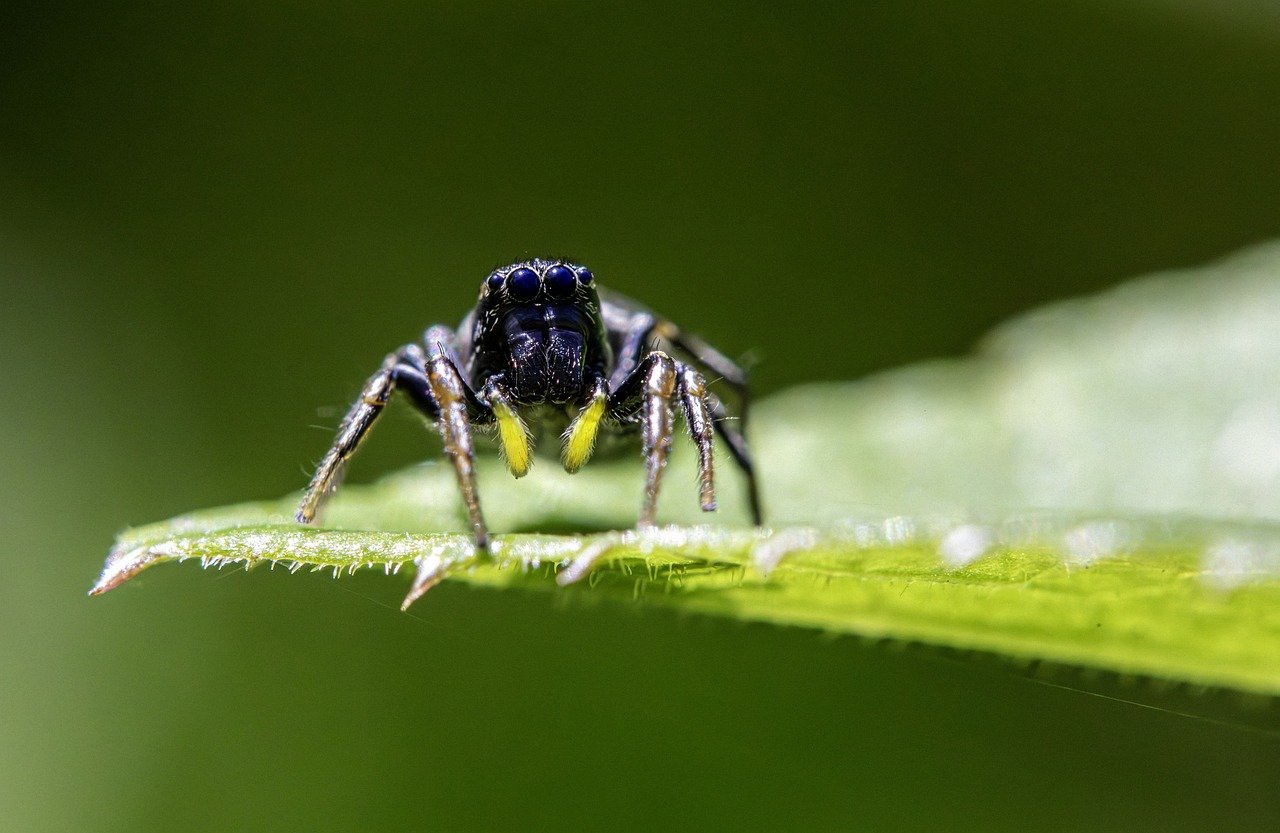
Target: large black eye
{"x": 522, "y": 284}
{"x": 584, "y": 276}
{"x": 560, "y": 281}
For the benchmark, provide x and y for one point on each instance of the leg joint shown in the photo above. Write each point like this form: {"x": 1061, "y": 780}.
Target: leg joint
{"x": 660, "y": 379}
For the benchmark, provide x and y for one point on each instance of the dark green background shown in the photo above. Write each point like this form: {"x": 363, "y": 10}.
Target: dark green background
{"x": 214, "y": 222}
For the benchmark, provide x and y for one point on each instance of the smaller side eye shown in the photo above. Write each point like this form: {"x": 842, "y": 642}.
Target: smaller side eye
{"x": 585, "y": 277}
{"x": 494, "y": 282}
{"x": 560, "y": 282}
{"x": 523, "y": 284}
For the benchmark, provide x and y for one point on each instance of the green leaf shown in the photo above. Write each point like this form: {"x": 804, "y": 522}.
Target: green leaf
{"x": 1097, "y": 485}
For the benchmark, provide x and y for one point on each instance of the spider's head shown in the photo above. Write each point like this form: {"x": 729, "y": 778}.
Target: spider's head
{"x": 544, "y": 315}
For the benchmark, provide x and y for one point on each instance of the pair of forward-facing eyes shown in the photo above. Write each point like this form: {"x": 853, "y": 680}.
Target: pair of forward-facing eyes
{"x": 524, "y": 284}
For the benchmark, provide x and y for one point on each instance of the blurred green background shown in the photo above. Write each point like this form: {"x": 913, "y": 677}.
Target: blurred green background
{"x": 215, "y": 221}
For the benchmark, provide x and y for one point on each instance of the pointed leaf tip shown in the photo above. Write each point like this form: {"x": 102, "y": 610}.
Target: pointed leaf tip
{"x": 122, "y": 565}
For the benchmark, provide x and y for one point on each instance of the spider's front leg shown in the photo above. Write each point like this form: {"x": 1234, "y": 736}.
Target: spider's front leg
{"x": 648, "y": 392}
{"x": 455, "y": 401}
{"x": 436, "y": 388}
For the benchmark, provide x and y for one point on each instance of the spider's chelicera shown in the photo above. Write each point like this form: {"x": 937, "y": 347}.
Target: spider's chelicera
{"x": 544, "y": 351}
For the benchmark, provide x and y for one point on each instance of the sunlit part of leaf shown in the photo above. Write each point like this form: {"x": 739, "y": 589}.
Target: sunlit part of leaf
{"x": 1161, "y": 396}
{"x": 1099, "y": 485}
{"x": 1136, "y": 597}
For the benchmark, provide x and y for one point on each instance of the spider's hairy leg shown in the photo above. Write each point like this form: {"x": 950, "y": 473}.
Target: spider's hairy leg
{"x": 649, "y": 390}
{"x": 399, "y": 370}
{"x": 452, "y": 396}
{"x": 437, "y": 389}
{"x": 579, "y": 438}
{"x": 655, "y": 428}
{"x": 513, "y": 434}
{"x": 712, "y": 362}
{"x": 697, "y": 417}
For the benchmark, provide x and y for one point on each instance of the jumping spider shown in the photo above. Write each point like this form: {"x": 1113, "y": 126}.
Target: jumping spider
{"x": 544, "y": 349}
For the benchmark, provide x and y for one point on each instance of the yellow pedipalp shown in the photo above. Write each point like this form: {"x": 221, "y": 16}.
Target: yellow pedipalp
{"x": 580, "y": 439}
{"x": 514, "y": 438}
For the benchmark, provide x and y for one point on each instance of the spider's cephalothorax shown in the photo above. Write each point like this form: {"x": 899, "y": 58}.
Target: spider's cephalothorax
{"x": 537, "y": 331}
{"x": 545, "y": 348}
